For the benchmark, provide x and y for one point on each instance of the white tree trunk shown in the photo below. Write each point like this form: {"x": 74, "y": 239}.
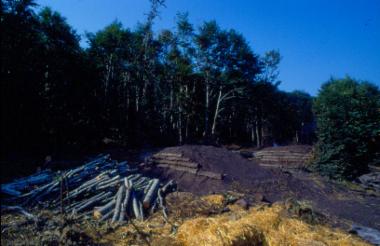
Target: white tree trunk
{"x": 216, "y": 111}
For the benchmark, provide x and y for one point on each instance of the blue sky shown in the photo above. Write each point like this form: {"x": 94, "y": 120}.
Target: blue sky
{"x": 317, "y": 38}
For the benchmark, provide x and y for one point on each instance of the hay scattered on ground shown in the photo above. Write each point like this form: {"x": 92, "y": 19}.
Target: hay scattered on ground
{"x": 279, "y": 224}
{"x": 217, "y": 200}
{"x": 265, "y": 225}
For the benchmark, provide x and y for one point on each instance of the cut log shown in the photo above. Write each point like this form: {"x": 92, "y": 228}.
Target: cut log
{"x": 16, "y": 187}
{"x": 135, "y": 207}
{"x": 141, "y": 184}
{"x": 95, "y": 184}
{"x": 93, "y": 201}
{"x": 151, "y": 194}
{"x": 20, "y": 210}
{"x": 107, "y": 216}
{"x": 86, "y": 187}
{"x": 105, "y": 182}
{"x": 134, "y": 178}
{"x": 124, "y": 208}
{"x": 141, "y": 210}
{"x": 101, "y": 211}
{"x": 179, "y": 168}
{"x": 146, "y": 189}
{"x": 119, "y": 198}
{"x": 177, "y": 163}
{"x": 162, "y": 203}
{"x": 111, "y": 186}
{"x": 168, "y": 186}
{"x": 210, "y": 174}
{"x": 168, "y": 154}
{"x": 154, "y": 206}
{"x": 171, "y": 158}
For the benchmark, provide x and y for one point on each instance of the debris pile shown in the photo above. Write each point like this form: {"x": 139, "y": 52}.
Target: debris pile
{"x": 108, "y": 189}
{"x": 178, "y": 162}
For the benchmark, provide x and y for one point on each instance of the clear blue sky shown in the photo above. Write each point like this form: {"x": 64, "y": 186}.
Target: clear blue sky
{"x": 317, "y": 38}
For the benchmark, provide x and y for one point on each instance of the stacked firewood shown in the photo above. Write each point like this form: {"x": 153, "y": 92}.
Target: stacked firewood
{"x": 102, "y": 187}
{"x": 282, "y": 158}
{"x": 178, "y": 162}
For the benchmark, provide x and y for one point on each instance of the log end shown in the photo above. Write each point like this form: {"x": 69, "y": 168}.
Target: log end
{"x": 97, "y": 215}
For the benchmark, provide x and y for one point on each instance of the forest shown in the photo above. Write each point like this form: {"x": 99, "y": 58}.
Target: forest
{"x": 136, "y": 87}
{"x": 181, "y": 136}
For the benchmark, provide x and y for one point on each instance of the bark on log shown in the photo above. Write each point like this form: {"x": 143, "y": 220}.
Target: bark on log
{"x": 154, "y": 206}
{"x": 209, "y": 174}
{"x": 141, "y": 210}
{"x": 168, "y": 186}
{"x": 168, "y": 154}
{"x": 188, "y": 164}
{"x": 16, "y": 187}
{"x": 20, "y": 210}
{"x": 101, "y": 211}
{"x": 119, "y": 199}
{"x": 109, "y": 185}
{"x": 86, "y": 187}
{"x": 134, "y": 178}
{"x": 171, "y": 158}
{"x": 141, "y": 183}
{"x": 92, "y": 201}
{"x": 80, "y": 203}
{"x": 179, "y": 168}
{"x": 107, "y": 216}
{"x": 108, "y": 181}
{"x": 152, "y": 192}
{"x": 135, "y": 206}
{"x": 124, "y": 208}
{"x": 146, "y": 189}
{"x": 162, "y": 204}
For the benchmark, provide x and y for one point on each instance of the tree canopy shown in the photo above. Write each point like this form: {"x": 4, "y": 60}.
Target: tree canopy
{"x": 135, "y": 87}
{"x": 348, "y": 119}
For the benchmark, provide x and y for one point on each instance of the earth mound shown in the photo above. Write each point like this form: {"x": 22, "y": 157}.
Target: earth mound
{"x": 260, "y": 184}
{"x": 239, "y": 174}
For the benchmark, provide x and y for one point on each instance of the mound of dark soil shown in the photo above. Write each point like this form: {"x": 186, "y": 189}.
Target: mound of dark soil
{"x": 259, "y": 183}
{"x": 240, "y": 174}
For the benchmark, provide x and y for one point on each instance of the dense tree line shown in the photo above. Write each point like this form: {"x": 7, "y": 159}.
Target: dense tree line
{"x": 136, "y": 87}
{"x": 348, "y": 117}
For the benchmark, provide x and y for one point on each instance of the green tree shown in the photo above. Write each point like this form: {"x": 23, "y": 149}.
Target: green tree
{"x": 227, "y": 65}
{"x": 301, "y": 116}
{"x": 348, "y": 121}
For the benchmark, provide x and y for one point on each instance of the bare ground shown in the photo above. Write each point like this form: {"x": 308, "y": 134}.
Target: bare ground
{"x": 348, "y": 203}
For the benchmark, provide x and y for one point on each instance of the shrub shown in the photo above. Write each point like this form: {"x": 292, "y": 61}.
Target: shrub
{"x": 348, "y": 127}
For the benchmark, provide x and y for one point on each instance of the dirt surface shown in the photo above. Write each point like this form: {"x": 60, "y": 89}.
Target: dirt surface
{"x": 189, "y": 222}
{"x": 239, "y": 173}
{"x": 346, "y": 204}
{"x": 342, "y": 204}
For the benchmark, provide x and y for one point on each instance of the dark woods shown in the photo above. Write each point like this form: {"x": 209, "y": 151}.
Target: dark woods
{"x": 136, "y": 87}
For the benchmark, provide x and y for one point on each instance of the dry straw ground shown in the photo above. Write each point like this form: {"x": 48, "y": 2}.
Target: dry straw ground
{"x": 260, "y": 225}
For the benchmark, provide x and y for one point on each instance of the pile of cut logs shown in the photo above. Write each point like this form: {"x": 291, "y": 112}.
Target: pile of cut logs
{"x": 282, "y": 158}
{"x": 178, "y": 162}
{"x": 103, "y": 187}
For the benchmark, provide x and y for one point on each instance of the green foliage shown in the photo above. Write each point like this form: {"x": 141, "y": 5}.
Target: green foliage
{"x": 135, "y": 86}
{"x": 348, "y": 119}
